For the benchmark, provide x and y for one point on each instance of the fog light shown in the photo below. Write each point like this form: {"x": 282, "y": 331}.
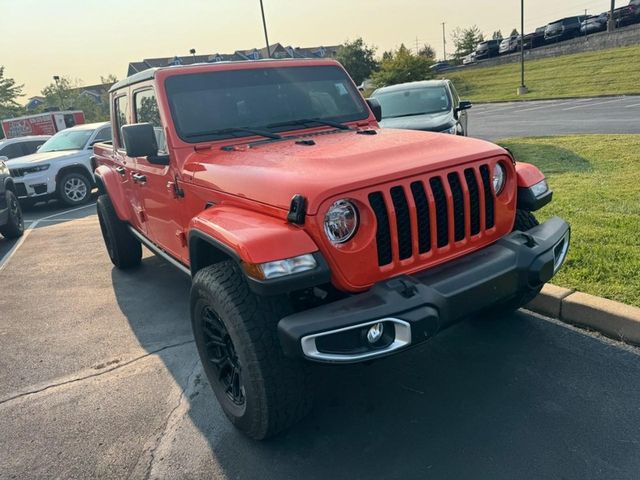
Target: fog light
{"x": 375, "y": 333}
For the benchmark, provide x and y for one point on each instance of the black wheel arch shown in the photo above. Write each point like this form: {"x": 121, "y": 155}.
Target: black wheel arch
{"x": 204, "y": 250}
{"x": 75, "y": 168}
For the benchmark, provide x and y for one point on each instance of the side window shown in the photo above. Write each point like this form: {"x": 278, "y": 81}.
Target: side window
{"x": 146, "y": 111}
{"x": 32, "y": 147}
{"x": 103, "y": 135}
{"x": 12, "y": 151}
{"x": 121, "y": 113}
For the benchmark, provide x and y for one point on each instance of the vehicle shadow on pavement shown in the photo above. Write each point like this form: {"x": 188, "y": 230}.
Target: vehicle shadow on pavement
{"x": 508, "y": 398}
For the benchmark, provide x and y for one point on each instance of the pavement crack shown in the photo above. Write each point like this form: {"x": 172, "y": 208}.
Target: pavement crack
{"x": 97, "y": 374}
{"x": 168, "y": 424}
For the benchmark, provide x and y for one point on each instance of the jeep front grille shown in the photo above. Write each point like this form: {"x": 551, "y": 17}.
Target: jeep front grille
{"x": 440, "y": 211}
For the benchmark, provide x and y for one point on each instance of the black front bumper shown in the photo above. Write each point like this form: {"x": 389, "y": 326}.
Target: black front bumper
{"x": 417, "y": 307}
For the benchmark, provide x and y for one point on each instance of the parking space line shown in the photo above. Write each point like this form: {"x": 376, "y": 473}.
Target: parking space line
{"x": 634, "y": 105}
{"x": 548, "y": 105}
{"x": 593, "y": 104}
{"x": 4, "y": 261}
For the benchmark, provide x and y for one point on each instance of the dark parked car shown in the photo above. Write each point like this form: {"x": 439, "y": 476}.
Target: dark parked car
{"x": 509, "y": 44}
{"x": 594, "y": 23}
{"x": 488, "y": 49}
{"x": 11, "y": 222}
{"x": 563, "y": 29}
{"x": 627, "y": 15}
{"x": 535, "y": 39}
{"x": 431, "y": 105}
{"x": 440, "y": 66}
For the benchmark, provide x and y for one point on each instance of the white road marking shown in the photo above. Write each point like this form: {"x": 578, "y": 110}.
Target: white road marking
{"x": 634, "y": 105}
{"x": 593, "y": 104}
{"x": 548, "y": 105}
{"x": 4, "y": 261}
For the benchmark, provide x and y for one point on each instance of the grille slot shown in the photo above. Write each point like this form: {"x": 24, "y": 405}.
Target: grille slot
{"x": 383, "y": 234}
{"x": 474, "y": 200}
{"x": 403, "y": 222}
{"x": 442, "y": 214}
{"x": 488, "y": 197}
{"x": 422, "y": 210}
{"x": 395, "y": 236}
{"x": 458, "y": 206}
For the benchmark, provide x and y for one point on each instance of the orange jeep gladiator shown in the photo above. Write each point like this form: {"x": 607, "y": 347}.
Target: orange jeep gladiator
{"x": 310, "y": 234}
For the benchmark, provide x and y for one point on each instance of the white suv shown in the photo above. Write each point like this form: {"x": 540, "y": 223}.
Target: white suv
{"x": 62, "y": 166}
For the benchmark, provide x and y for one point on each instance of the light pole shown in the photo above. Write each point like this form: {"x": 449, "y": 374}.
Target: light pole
{"x": 444, "y": 43}
{"x": 264, "y": 25}
{"x": 56, "y": 79}
{"x": 522, "y": 89}
{"x": 611, "y": 25}
{"x": 193, "y": 53}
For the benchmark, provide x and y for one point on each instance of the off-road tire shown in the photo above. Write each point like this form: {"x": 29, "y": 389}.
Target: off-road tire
{"x": 525, "y": 221}
{"x": 67, "y": 199}
{"x": 276, "y": 389}
{"x": 125, "y": 250}
{"x": 14, "y": 227}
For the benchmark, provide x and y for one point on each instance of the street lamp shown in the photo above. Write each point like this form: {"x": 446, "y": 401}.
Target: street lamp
{"x": 56, "y": 79}
{"x": 264, "y": 25}
{"x": 522, "y": 89}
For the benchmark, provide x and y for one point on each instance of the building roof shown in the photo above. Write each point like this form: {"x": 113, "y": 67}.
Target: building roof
{"x": 276, "y": 50}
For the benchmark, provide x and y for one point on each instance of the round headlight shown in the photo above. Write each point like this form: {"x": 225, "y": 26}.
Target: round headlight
{"x": 499, "y": 178}
{"x": 341, "y": 221}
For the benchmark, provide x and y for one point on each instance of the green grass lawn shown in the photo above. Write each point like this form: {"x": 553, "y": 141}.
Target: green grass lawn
{"x": 606, "y": 72}
{"x": 596, "y": 183}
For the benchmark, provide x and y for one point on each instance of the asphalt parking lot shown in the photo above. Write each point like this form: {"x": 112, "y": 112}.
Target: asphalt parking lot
{"x": 493, "y": 121}
{"x": 99, "y": 378}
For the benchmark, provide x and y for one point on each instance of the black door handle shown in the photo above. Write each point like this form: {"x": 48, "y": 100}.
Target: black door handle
{"x": 121, "y": 170}
{"x": 139, "y": 178}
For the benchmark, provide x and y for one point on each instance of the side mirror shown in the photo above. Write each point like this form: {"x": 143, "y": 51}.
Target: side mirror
{"x": 139, "y": 140}
{"x": 464, "y": 105}
{"x": 375, "y": 107}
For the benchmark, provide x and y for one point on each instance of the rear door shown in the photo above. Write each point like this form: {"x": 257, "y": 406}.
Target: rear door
{"x": 156, "y": 183}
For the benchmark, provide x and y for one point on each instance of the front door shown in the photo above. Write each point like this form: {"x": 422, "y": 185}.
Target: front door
{"x": 163, "y": 208}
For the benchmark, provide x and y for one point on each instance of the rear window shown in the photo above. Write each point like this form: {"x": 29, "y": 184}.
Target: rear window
{"x": 204, "y": 103}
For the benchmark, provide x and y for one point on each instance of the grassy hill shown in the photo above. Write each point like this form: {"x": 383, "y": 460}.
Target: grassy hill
{"x": 606, "y": 72}
{"x": 596, "y": 183}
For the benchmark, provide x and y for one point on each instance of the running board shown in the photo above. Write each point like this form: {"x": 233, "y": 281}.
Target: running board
{"x": 161, "y": 253}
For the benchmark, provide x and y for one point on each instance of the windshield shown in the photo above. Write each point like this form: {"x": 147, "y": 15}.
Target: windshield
{"x": 66, "y": 140}
{"x": 205, "y": 106}
{"x": 415, "y": 101}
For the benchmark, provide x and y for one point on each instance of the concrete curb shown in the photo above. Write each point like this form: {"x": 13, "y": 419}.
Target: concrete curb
{"x": 613, "y": 319}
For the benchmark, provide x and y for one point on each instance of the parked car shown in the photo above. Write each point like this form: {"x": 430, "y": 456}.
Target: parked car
{"x": 430, "y": 105}
{"x": 627, "y": 15}
{"x": 440, "y": 66}
{"x": 11, "y": 221}
{"x": 563, "y": 29}
{"x": 535, "y": 39}
{"x": 487, "y": 49}
{"x": 509, "y": 44}
{"x": 11, "y": 148}
{"x": 61, "y": 167}
{"x": 310, "y": 234}
{"x": 469, "y": 59}
{"x": 594, "y": 23}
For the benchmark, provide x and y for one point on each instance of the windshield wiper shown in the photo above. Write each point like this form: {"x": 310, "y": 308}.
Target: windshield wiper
{"x": 303, "y": 121}
{"x": 231, "y": 130}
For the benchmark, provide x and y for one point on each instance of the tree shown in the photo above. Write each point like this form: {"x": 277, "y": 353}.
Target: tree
{"x": 514, "y": 33}
{"x": 497, "y": 35}
{"x": 111, "y": 78}
{"x": 358, "y": 59}
{"x": 427, "y": 51}
{"x": 68, "y": 94}
{"x": 9, "y": 93}
{"x": 465, "y": 40}
{"x": 402, "y": 66}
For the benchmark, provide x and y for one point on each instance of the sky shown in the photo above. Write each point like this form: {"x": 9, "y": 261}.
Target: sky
{"x": 86, "y": 39}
